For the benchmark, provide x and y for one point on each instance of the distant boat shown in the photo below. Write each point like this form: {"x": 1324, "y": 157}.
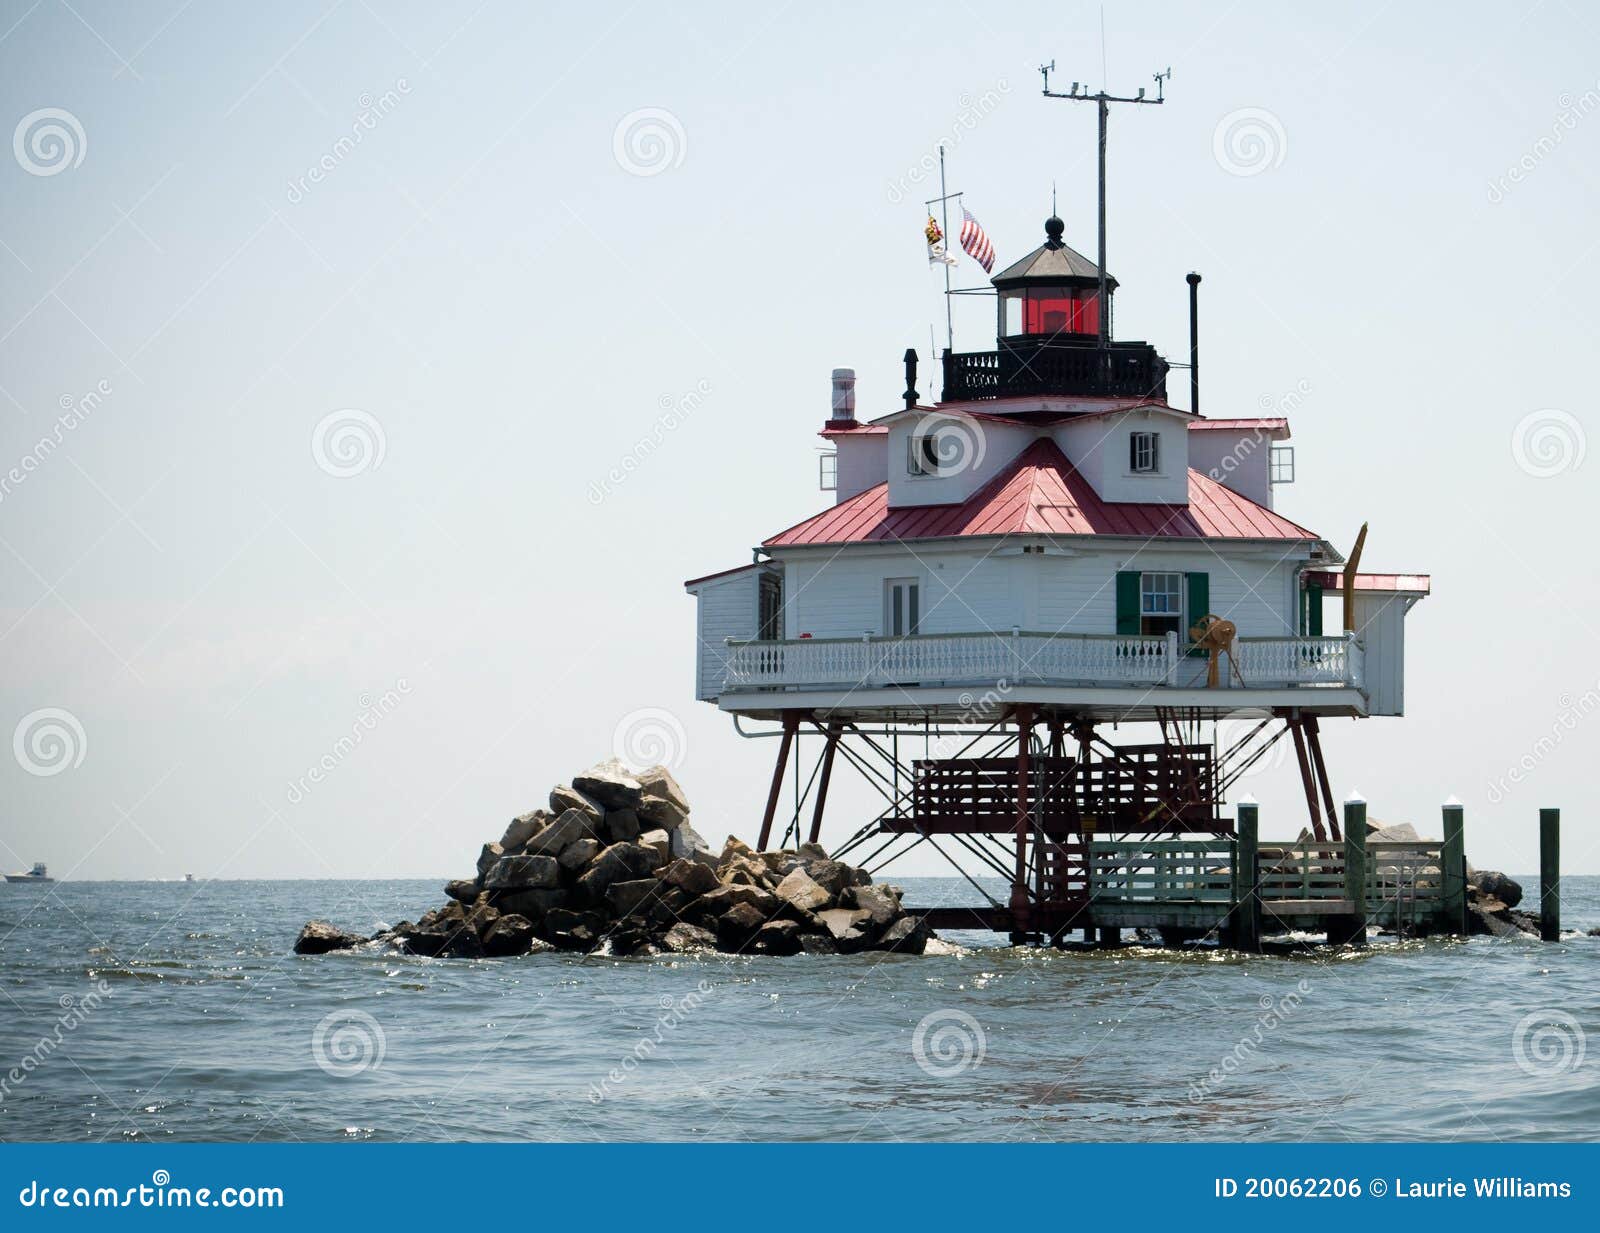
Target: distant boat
{"x": 188, "y": 877}
{"x": 37, "y": 874}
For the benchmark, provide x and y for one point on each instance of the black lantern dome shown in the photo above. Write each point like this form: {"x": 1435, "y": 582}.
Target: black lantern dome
{"x": 1048, "y": 338}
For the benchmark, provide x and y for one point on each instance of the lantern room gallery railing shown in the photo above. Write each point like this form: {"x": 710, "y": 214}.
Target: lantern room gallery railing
{"x": 1022, "y": 657}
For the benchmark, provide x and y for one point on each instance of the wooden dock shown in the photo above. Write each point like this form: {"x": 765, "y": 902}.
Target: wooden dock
{"x": 1238, "y": 889}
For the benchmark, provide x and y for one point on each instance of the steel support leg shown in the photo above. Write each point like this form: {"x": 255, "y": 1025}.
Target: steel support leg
{"x": 828, "y": 751}
{"x": 791, "y": 724}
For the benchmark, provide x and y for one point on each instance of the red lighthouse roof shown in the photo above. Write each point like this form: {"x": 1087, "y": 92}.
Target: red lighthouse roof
{"x": 1042, "y": 493}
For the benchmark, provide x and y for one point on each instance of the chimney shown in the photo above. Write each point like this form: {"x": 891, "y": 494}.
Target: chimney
{"x": 844, "y": 398}
{"x": 911, "y": 379}
{"x": 1193, "y": 280}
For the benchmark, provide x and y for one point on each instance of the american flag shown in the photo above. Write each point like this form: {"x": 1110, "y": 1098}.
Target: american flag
{"x": 976, "y": 241}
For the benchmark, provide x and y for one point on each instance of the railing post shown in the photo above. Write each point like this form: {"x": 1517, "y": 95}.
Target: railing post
{"x": 1550, "y": 874}
{"x": 1172, "y": 656}
{"x": 1355, "y": 868}
{"x": 1453, "y": 869}
{"x": 1247, "y": 878}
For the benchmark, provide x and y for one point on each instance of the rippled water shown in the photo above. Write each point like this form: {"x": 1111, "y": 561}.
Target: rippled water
{"x": 206, "y": 1027}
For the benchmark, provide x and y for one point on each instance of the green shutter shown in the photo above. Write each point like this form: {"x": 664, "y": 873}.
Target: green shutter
{"x": 1314, "y": 611}
{"x": 1128, "y": 601}
{"x": 1199, "y": 605}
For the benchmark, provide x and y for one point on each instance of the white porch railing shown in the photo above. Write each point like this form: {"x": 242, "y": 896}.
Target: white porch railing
{"x": 1032, "y": 658}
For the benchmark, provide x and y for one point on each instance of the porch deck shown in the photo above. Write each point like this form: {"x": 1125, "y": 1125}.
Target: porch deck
{"x": 1030, "y": 658}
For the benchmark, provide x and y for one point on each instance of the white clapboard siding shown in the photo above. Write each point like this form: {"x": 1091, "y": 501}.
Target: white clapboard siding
{"x": 727, "y": 608}
{"x": 1381, "y": 629}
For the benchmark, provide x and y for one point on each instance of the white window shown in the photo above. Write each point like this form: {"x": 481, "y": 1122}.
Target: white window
{"x": 828, "y": 472}
{"x": 901, "y": 607}
{"x": 1282, "y": 464}
{"x": 1160, "y": 604}
{"x": 922, "y": 457}
{"x": 1144, "y": 452}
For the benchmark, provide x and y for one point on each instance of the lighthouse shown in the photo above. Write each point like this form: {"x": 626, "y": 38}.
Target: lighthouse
{"x": 1014, "y": 579}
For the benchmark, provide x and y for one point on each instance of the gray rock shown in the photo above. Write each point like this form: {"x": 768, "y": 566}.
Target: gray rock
{"x": 443, "y": 939}
{"x": 1493, "y": 885}
{"x": 622, "y": 825}
{"x": 776, "y": 937}
{"x": 319, "y": 937}
{"x": 570, "y": 826}
{"x": 818, "y": 944}
{"x": 908, "y": 936}
{"x": 481, "y": 915}
{"x": 848, "y": 927}
{"x": 490, "y": 854}
{"x": 1481, "y": 920}
{"x": 620, "y": 862}
{"x": 510, "y": 935}
{"x": 812, "y": 852}
{"x": 626, "y": 898}
{"x": 524, "y": 873}
{"x": 662, "y": 812}
{"x": 684, "y": 938}
{"x": 579, "y": 853}
{"x": 798, "y": 890}
{"x": 565, "y": 920}
{"x": 738, "y": 925}
{"x": 876, "y": 901}
{"x": 610, "y": 783}
{"x": 732, "y": 848}
{"x": 523, "y": 828}
{"x": 530, "y": 903}
{"x": 830, "y": 875}
{"x": 463, "y": 890}
{"x": 726, "y": 896}
{"x": 660, "y": 841}
{"x": 687, "y": 844}
{"x": 663, "y": 802}
{"x": 564, "y": 797}
{"x": 690, "y": 876}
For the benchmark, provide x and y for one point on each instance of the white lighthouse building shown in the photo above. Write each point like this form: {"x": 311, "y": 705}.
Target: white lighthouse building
{"x": 1050, "y": 549}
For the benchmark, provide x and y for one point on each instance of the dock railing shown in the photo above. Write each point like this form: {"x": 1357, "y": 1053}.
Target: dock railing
{"x": 1404, "y": 880}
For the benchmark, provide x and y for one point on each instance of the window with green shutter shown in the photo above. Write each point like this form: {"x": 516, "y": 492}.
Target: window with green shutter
{"x": 1128, "y": 601}
{"x": 1199, "y": 587}
{"x": 1311, "y": 611}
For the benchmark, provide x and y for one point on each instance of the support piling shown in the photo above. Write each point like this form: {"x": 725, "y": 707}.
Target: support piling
{"x": 1550, "y": 874}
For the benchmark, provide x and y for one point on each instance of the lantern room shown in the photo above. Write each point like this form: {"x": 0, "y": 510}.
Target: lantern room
{"x": 1053, "y": 292}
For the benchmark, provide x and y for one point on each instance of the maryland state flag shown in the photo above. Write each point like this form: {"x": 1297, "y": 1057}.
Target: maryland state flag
{"x": 937, "y": 255}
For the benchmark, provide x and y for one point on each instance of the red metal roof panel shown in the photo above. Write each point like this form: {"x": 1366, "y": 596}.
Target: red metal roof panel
{"x": 1334, "y": 582}
{"x": 1041, "y": 492}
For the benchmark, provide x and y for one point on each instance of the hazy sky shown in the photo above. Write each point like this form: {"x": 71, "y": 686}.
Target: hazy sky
{"x": 503, "y": 277}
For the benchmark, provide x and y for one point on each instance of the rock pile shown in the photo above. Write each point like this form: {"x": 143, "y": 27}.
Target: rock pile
{"x": 613, "y": 864}
{"x": 1491, "y": 900}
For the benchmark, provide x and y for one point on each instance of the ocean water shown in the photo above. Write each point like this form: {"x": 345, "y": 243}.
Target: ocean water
{"x": 172, "y": 1011}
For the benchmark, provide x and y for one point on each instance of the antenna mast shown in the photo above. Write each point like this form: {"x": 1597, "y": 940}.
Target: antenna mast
{"x": 943, "y": 202}
{"x": 1080, "y": 93}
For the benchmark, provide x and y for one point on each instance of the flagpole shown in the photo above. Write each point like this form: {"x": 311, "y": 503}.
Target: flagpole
{"x": 944, "y": 206}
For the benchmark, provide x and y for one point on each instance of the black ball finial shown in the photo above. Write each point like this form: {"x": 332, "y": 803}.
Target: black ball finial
{"x": 1053, "y": 228}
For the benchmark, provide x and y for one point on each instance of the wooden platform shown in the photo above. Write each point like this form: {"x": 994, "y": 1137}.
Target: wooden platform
{"x": 1210, "y": 886}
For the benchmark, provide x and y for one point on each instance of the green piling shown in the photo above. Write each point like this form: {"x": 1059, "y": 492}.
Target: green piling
{"x": 1453, "y": 871}
{"x": 1355, "y": 869}
{"x": 1247, "y": 878}
{"x": 1550, "y": 874}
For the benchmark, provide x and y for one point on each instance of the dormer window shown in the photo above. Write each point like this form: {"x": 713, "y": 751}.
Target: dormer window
{"x": 923, "y": 455}
{"x": 1144, "y": 453}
